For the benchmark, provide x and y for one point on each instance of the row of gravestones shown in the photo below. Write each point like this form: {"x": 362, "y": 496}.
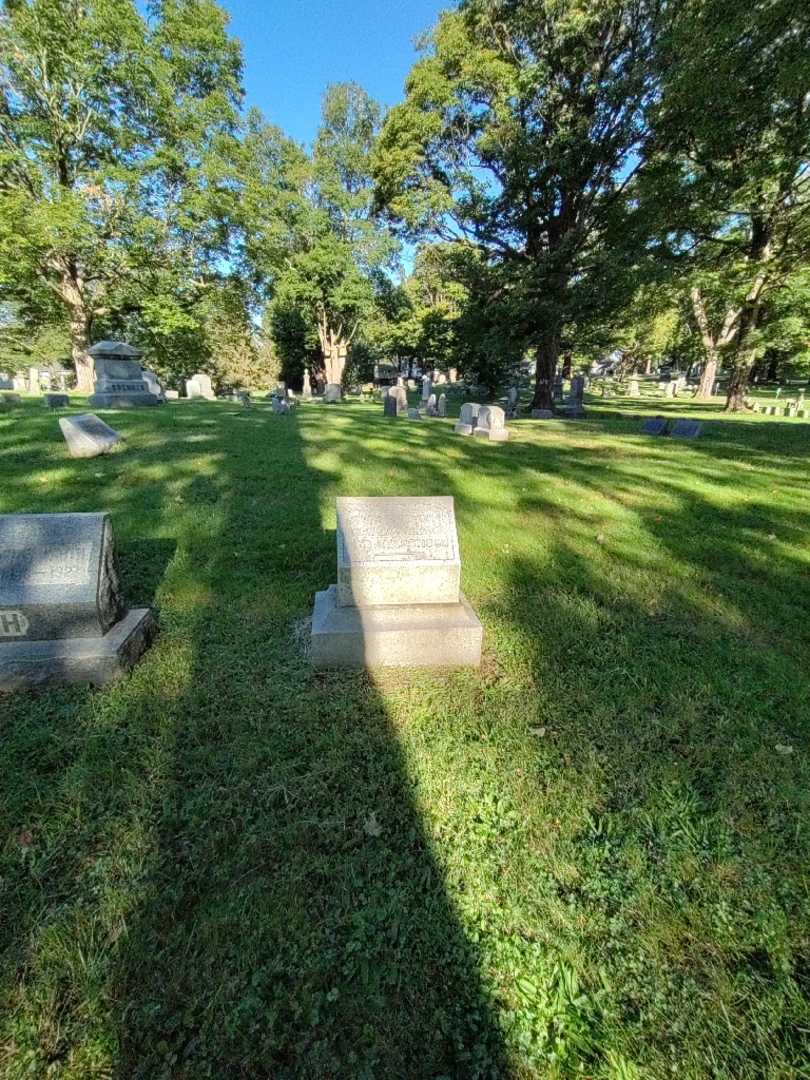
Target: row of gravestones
{"x": 397, "y": 601}
{"x": 679, "y": 429}
{"x": 482, "y": 421}
{"x": 395, "y": 403}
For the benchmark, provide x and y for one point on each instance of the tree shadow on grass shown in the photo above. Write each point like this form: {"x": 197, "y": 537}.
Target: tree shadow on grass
{"x": 217, "y": 867}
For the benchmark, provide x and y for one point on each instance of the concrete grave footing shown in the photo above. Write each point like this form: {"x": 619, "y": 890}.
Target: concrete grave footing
{"x": 414, "y": 635}
{"x": 96, "y": 660}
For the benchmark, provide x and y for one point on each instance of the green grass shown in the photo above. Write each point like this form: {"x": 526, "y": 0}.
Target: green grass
{"x": 588, "y": 859}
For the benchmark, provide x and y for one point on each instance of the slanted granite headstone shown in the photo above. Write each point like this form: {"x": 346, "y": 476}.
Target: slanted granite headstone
{"x": 686, "y": 429}
{"x": 655, "y": 425}
{"x": 119, "y": 381}
{"x": 332, "y": 393}
{"x": 491, "y": 424}
{"x": 441, "y": 405}
{"x": 389, "y": 405}
{"x": 467, "y": 418}
{"x": 61, "y": 614}
{"x": 55, "y": 401}
{"x": 397, "y": 601}
{"x": 87, "y": 436}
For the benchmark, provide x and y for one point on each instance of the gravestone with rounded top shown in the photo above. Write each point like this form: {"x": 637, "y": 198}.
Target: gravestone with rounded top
{"x": 200, "y": 386}
{"x": 397, "y": 600}
{"x": 430, "y": 408}
{"x": 427, "y": 386}
{"x": 61, "y": 614}
{"x": 87, "y": 435}
{"x": 441, "y": 406}
{"x": 467, "y": 418}
{"x": 119, "y": 381}
{"x": 491, "y": 424}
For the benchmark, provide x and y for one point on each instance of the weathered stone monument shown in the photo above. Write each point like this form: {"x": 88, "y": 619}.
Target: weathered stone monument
{"x": 153, "y": 384}
{"x": 400, "y": 396}
{"x": 467, "y": 418}
{"x": 200, "y": 386}
{"x": 633, "y": 388}
{"x": 332, "y": 393}
{"x": 430, "y": 408}
{"x": 119, "y": 381}
{"x": 389, "y": 405}
{"x": 397, "y": 601}
{"x": 575, "y": 406}
{"x": 87, "y": 435}
{"x": 427, "y": 386}
{"x": 441, "y": 405}
{"x": 306, "y": 389}
{"x": 414, "y": 414}
{"x": 61, "y": 614}
{"x": 55, "y": 401}
{"x": 491, "y": 424}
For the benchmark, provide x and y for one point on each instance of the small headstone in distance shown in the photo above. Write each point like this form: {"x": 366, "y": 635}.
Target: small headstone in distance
{"x": 414, "y": 414}
{"x": 55, "y": 401}
{"x": 87, "y": 436}
{"x": 441, "y": 406}
{"x": 656, "y": 425}
{"x": 389, "y": 405}
{"x": 491, "y": 424}
{"x": 12, "y": 399}
{"x": 542, "y": 414}
{"x": 467, "y": 418}
{"x": 171, "y": 395}
{"x": 686, "y": 429}
{"x": 61, "y": 614}
{"x": 332, "y": 394}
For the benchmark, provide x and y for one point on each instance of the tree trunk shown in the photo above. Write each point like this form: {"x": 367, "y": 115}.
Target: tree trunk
{"x": 79, "y": 344}
{"x": 548, "y": 354}
{"x": 704, "y": 390}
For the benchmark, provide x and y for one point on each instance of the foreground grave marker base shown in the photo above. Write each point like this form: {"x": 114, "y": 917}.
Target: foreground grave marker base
{"x": 397, "y": 601}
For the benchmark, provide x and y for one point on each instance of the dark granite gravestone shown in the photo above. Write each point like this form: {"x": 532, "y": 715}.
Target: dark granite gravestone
{"x": 88, "y": 436}
{"x": 656, "y": 425}
{"x": 55, "y": 401}
{"x": 389, "y": 405}
{"x": 61, "y": 614}
{"x": 686, "y": 429}
{"x": 542, "y": 414}
{"x": 119, "y": 379}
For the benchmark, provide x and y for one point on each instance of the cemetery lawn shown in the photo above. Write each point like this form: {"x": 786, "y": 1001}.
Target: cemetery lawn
{"x": 590, "y": 858}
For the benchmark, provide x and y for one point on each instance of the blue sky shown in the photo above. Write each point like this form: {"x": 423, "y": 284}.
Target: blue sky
{"x": 294, "y": 48}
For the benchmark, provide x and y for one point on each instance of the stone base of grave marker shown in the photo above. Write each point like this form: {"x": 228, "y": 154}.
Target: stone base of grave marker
{"x": 397, "y": 602}
{"x": 413, "y": 635}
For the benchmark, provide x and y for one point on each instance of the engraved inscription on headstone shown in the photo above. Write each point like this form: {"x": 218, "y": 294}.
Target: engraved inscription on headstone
{"x": 13, "y": 624}
{"x": 87, "y": 435}
{"x": 397, "y": 551}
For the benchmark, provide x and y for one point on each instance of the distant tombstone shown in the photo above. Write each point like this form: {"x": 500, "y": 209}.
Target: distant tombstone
{"x": 61, "y": 614}
{"x": 400, "y": 396}
{"x": 426, "y": 387}
{"x": 119, "y": 381}
{"x": 19, "y": 384}
{"x": 33, "y": 380}
{"x": 62, "y": 378}
{"x": 280, "y": 406}
{"x": 686, "y": 429}
{"x": 670, "y": 389}
{"x": 656, "y": 425}
{"x": 467, "y": 418}
{"x": 578, "y": 389}
{"x": 633, "y": 388}
{"x": 11, "y": 399}
{"x": 491, "y": 424}
{"x": 441, "y": 406}
{"x": 430, "y": 408}
{"x": 397, "y": 601}
{"x": 242, "y": 397}
{"x": 306, "y": 390}
{"x": 171, "y": 395}
{"x": 332, "y": 393}
{"x": 153, "y": 383}
{"x": 55, "y": 401}
{"x": 557, "y": 389}
{"x": 6, "y": 383}
{"x": 414, "y": 414}
{"x": 389, "y": 405}
{"x": 542, "y": 414}
{"x": 200, "y": 386}
{"x": 87, "y": 436}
